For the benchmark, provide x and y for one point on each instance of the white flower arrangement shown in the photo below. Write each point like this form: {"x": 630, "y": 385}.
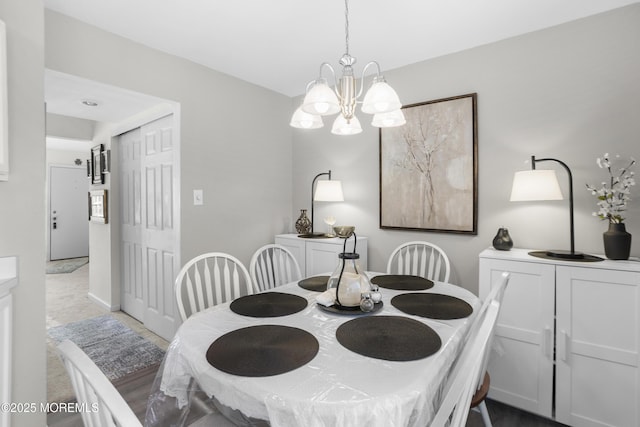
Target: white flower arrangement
{"x": 614, "y": 195}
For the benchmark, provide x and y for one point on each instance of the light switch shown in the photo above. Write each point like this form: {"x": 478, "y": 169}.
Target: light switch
{"x": 198, "y": 197}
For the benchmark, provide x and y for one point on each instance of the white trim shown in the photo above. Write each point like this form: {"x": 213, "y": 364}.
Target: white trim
{"x": 102, "y": 303}
{"x": 147, "y": 116}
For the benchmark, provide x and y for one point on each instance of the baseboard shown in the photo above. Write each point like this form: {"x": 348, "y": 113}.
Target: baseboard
{"x": 102, "y": 303}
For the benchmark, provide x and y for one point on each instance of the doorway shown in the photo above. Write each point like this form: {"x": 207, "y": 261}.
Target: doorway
{"x": 68, "y": 225}
{"x": 113, "y": 111}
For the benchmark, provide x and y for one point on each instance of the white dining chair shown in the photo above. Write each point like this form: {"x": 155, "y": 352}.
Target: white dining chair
{"x": 498, "y": 288}
{"x": 105, "y": 407}
{"x": 461, "y": 385}
{"x": 210, "y": 279}
{"x": 420, "y": 258}
{"x": 273, "y": 265}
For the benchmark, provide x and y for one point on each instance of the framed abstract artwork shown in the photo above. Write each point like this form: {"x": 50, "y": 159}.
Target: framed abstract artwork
{"x": 429, "y": 168}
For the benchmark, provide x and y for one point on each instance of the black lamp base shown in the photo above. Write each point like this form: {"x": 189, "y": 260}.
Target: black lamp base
{"x": 316, "y": 236}
{"x": 566, "y": 256}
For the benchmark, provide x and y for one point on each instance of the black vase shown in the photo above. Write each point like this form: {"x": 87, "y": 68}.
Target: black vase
{"x": 502, "y": 241}
{"x": 617, "y": 242}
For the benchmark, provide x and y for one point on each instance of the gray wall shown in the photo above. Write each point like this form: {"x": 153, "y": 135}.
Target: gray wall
{"x": 570, "y": 92}
{"x": 235, "y": 138}
{"x": 69, "y": 127}
{"x": 22, "y": 200}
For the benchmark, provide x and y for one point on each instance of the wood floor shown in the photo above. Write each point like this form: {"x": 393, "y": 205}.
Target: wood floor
{"x": 136, "y": 388}
{"x": 506, "y": 416}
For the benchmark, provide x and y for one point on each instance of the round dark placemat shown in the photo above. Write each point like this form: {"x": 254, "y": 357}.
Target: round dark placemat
{"x": 402, "y": 282}
{"x": 432, "y": 306}
{"x": 316, "y": 283}
{"x": 350, "y": 311}
{"x": 394, "y": 338}
{"x": 262, "y": 351}
{"x": 268, "y": 304}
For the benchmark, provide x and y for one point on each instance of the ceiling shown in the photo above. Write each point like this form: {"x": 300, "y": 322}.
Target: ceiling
{"x": 65, "y": 95}
{"x": 280, "y": 44}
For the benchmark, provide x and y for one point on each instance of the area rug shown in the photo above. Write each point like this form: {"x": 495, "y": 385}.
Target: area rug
{"x": 66, "y": 265}
{"x": 114, "y": 347}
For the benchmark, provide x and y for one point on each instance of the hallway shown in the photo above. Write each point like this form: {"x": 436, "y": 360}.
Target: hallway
{"x": 67, "y": 301}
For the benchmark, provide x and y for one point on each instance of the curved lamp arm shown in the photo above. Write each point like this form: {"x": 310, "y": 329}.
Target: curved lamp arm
{"x": 564, "y": 165}
{"x": 364, "y": 70}
{"x": 313, "y": 190}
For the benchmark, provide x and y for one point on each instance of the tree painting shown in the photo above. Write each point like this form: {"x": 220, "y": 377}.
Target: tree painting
{"x": 428, "y": 168}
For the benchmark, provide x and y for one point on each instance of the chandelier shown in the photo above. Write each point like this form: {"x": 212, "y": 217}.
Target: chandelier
{"x": 320, "y": 100}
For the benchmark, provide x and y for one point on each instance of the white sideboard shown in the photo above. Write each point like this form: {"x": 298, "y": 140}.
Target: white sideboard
{"x": 8, "y": 279}
{"x": 583, "y": 318}
{"x": 320, "y": 255}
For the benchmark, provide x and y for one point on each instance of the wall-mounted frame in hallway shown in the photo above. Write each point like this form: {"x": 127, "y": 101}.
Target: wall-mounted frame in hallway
{"x": 97, "y": 165}
{"x": 98, "y": 206}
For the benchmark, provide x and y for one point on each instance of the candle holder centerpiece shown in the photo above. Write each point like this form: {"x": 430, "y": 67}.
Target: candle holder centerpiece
{"x": 352, "y": 285}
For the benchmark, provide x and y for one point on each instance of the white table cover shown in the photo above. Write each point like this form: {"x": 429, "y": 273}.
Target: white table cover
{"x": 337, "y": 388}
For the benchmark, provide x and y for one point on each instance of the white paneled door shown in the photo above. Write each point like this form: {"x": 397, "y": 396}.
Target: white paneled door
{"x": 149, "y": 226}
{"x": 68, "y": 218}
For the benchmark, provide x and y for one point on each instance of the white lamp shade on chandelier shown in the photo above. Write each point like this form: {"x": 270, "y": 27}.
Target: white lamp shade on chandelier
{"x": 322, "y": 100}
{"x": 387, "y": 120}
{"x": 342, "y": 126}
{"x": 534, "y": 185}
{"x": 303, "y": 120}
{"x": 381, "y": 98}
{"x": 328, "y": 191}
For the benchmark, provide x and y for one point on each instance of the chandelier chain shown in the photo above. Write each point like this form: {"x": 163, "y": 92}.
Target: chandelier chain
{"x": 346, "y": 25}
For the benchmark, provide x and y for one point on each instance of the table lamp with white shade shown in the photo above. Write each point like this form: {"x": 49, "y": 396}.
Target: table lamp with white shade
{"x": 537, "y": 185}
{"x": 325, "y": 191}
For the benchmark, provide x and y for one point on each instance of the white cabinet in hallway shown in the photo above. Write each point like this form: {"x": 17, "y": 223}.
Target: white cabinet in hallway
{"x": 581, "y": 317}
{"x": 320, "y": 255}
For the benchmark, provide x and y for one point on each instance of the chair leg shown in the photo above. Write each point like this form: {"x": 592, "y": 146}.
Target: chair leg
{"x": 485, "y": 414}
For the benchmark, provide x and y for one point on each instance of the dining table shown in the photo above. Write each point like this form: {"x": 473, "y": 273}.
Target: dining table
{"x": 282, "y": 359}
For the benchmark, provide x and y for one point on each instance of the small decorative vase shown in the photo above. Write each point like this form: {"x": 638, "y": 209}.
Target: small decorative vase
{"x": 617, "y": 242}
{"x": 303, "y": 224}
{"x": 502, "y": 241}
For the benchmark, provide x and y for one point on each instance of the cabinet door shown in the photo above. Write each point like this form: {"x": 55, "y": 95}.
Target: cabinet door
{"x": 297, "y": 248}
{"x": 598, "y": 334}
{"x": 521, "y": 363}
{"x": 322, "y": 258}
